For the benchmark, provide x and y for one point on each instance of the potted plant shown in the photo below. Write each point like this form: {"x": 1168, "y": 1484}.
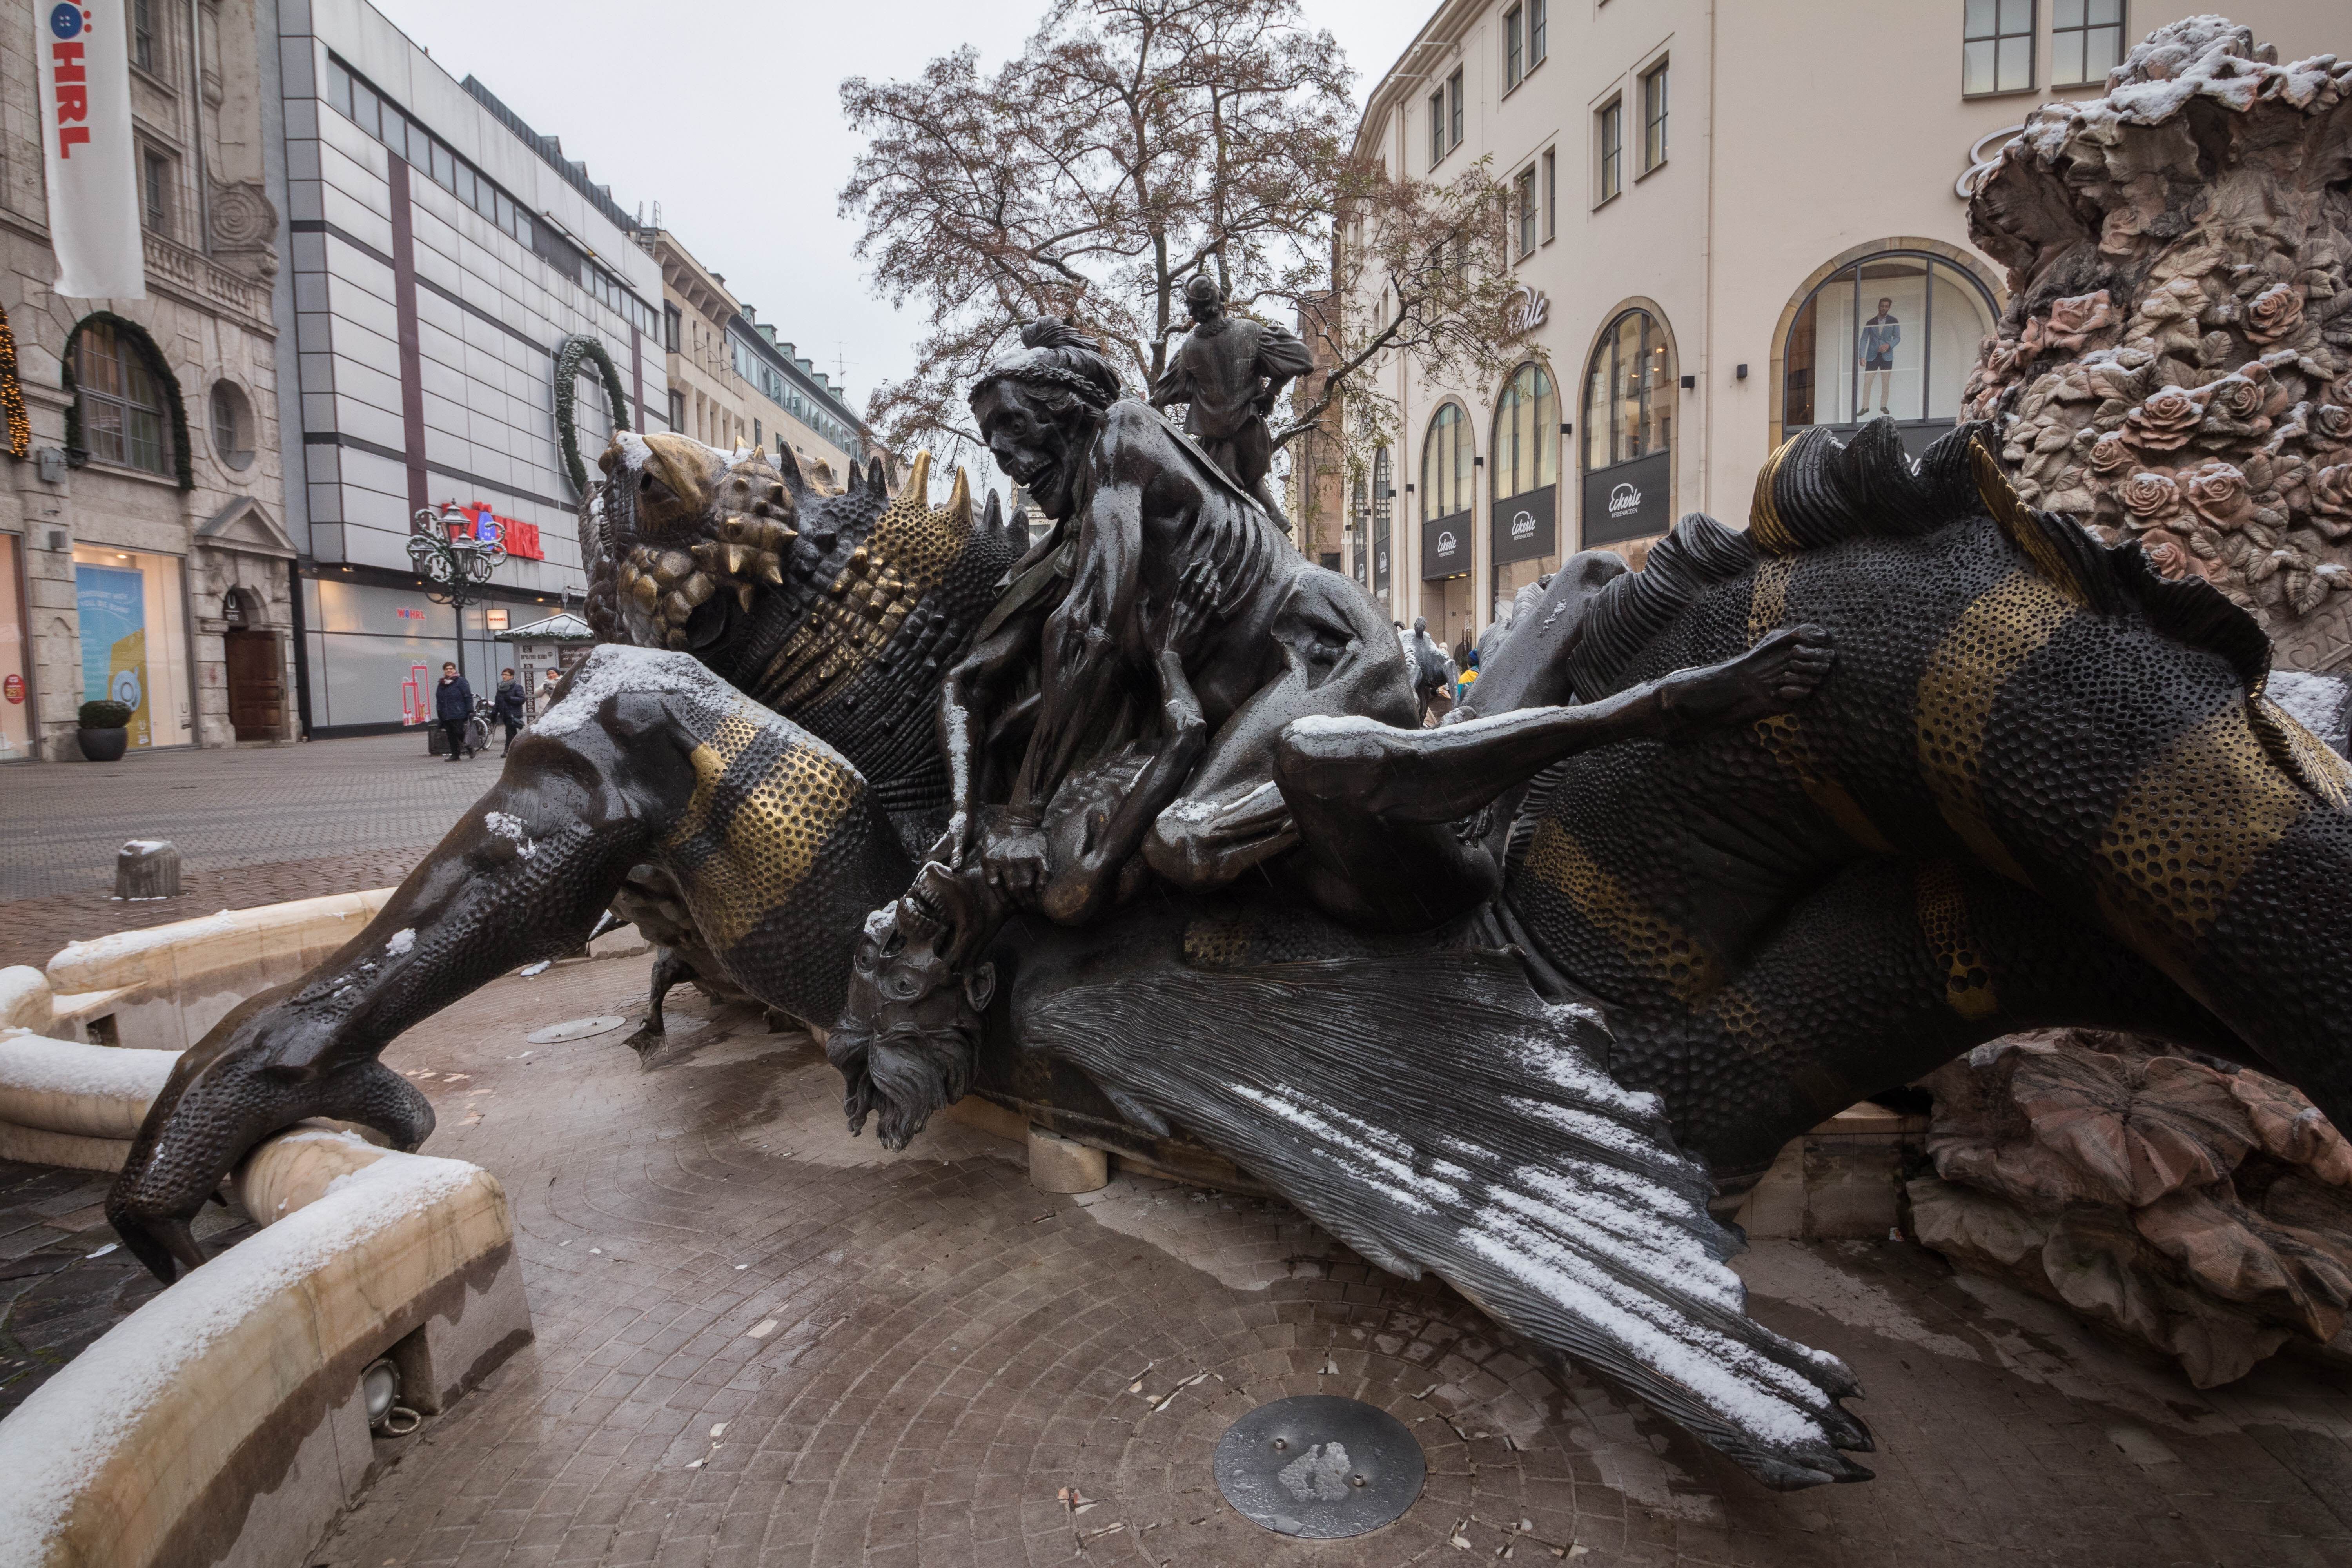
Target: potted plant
{"x": 105, "y": 731}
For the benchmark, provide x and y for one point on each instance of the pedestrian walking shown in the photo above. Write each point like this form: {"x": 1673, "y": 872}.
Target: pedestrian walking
{"x": 544, "y": 697}
{"x": 507, "y": 707}
{"x": 453, "y": 704}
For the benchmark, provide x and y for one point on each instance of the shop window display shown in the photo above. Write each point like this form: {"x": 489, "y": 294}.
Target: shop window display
{"x": 134, "y": 640}
{"x": 1892, "y": 334}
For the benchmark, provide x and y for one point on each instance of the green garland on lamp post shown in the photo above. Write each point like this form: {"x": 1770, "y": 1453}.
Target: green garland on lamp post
{"x": 568, "y": 356}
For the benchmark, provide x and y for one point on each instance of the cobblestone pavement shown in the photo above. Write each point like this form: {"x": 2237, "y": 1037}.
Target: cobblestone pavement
{"x": 63, "y": 1279}
{"x": 33, "y": 929}
{"x": 245, "y": 806}
{"x": 762, "y": 1342}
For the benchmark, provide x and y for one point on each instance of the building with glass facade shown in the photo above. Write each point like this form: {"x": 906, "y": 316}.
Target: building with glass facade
{"x": 442, "y": 256}
{"x": 1729, "y": 223}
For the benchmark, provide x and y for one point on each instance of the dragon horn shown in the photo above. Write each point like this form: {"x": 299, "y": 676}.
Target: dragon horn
{"x": 960, "y": 500}
{"x": 918, "y": 479}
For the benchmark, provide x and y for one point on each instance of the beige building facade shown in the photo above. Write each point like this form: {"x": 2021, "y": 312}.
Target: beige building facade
{"x": 734, "y": 383}
{"x": 1728, "y": 223}
{"x": 143, "y": 551}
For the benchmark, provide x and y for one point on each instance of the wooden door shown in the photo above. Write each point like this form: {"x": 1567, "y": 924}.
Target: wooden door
{"x": 256, "y": 685}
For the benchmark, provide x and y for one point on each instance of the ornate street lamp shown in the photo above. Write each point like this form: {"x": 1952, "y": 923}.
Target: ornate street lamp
{"x": 456, "y": 567}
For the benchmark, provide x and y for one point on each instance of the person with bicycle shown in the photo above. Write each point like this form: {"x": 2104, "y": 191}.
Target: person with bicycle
{"x": 453, "y": 705}
{"x": 507, "y": 707}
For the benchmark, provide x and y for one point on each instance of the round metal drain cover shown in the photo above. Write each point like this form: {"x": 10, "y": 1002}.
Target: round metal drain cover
{"x": 577, "y": 1029}
{"x": 1320, "y": 1466}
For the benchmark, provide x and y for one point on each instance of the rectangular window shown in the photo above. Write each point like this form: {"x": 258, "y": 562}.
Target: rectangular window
{"x": 1514, "y": 55}
{"x": 677, "y": 410}
{"x": 669, "y": 328}
{"x": 1539, "y": 29}
{"x": 154, "y": 188}
{"x": 502, "y": 211}
{"x": 1523, "y": 198}
{"x": 2086, "y": 41}
{"x": 366, "y": 110}
{"x": 1551, "y": 194}
{"x": 1611, "y": 138}
{"x": 1436, "y": 128}
{"x": 445, "y": 167}
{"x": 1997, "y": 46}
{"x": 339, "y": 88}
{"x": 1454, "y": 109}
{"x": 142, "y": 33}
{"x": 1653, "y": 117}
{"x": 468, "y": 192}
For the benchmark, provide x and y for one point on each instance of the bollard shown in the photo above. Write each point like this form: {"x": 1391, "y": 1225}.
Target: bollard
{"x": 147, "y": 868}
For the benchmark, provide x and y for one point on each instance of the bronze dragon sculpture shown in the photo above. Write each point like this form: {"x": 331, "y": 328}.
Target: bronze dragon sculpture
{"x": 1496, "y": 999}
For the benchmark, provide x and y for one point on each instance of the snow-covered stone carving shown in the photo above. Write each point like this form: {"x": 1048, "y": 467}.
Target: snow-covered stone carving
{"x": 2175, "y": 365}
{"x": 2207, "y": 1213}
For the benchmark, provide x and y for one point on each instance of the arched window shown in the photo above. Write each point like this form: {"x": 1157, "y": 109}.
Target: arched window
{"x": 1629, "y": 427}
{"x": 1445, "y": 487}
{"x": 126, "y": 406}
{"x": 1527, "y": 467}
{"x": 1383, "y": 513}
{"x": 1893, "y": 333}
{"x": 123, "y": 419}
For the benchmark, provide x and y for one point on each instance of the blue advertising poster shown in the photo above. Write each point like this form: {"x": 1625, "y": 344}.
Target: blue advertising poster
{"x": 113, "y": 602}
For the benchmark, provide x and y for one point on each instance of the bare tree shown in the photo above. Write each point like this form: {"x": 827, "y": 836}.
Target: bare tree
{"x": 1418, "y": 270}
{"x": 1133, "y": 144}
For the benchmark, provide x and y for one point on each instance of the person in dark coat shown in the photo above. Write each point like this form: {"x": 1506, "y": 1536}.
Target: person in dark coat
{"x": 507, "y": 707}
{"x": 453, "y": 704}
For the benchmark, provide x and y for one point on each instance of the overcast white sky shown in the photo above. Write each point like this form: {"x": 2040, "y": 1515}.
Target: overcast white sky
{"x": 729, "y": 115}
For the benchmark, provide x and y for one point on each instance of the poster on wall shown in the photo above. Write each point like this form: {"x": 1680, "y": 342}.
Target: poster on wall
{"x": 113, "y": 602}
{"x": 89, "y": 155}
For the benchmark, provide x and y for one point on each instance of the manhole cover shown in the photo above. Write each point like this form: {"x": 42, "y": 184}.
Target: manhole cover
{"x": 578, "y": 1029}
{"x": 1320, "y": 1466}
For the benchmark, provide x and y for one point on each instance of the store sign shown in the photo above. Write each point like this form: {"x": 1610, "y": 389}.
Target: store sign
{"x": 1526, "y": 527}
{"x": 1446, "y": 547}
{"x": 1529, "y": 308}
{"x": 1628, "y": 500}
{"x": 13, "y": 688}
{"x": 521, "y": 538}
{"x": 82, "y": 47}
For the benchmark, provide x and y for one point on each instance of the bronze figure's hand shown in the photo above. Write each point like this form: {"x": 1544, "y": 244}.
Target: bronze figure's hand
{"x": 1771, "y": 678}
{"x": 1190, "y": 604}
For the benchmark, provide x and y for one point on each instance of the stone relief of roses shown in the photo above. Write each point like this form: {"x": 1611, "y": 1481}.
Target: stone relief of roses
{"x": 2165, "y": 422}
{"x": 2274, "y": 313}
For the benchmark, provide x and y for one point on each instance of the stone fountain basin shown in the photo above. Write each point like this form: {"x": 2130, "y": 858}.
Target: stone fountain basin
{"x": 224, "y": 1420}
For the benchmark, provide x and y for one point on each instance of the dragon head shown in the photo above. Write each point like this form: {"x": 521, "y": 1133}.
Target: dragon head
{"x": 695, "y": 532}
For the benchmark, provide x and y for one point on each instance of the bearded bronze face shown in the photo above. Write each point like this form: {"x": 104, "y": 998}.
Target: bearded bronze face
{"x": 910, "y": 1035}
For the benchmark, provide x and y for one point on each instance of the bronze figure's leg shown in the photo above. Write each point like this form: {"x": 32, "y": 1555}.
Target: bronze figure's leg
{"x": 1380, "y": 810}
{"x": 1338, "y": 659}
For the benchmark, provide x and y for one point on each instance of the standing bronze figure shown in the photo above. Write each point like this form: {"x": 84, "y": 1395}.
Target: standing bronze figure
{"x": 1230, "y": 370}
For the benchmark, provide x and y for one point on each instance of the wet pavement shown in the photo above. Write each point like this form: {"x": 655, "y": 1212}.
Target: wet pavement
{"x": 762, "y": 1341}
{"x": 63, "y": 1279}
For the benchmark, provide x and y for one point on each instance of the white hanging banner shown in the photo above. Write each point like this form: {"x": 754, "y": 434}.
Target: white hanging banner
{"x": 83, "y": 47}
